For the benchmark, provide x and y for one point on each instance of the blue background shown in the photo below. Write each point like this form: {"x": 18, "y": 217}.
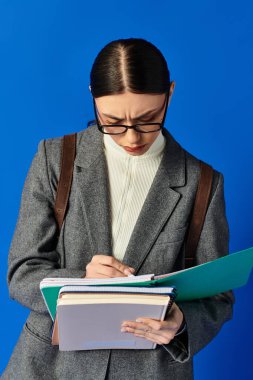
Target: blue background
{"x": 47, "y": 50}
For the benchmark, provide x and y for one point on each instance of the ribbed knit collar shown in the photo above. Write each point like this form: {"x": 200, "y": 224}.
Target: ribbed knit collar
{"x": 155, "y": 149}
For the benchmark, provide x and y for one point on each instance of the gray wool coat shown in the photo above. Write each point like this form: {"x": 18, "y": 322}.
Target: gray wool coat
{"x": 156, "y": 246}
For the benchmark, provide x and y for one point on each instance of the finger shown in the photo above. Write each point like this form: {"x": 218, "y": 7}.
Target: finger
{"x": 164, "y": 338}
{"x": 116, "y": 264}
{"x": 155, "y": 339}
{"x": 95, "y": 271}
{"x": 111, "y": 271}
{"x": 157, "y": 326}
{"x": 149, "y": 323}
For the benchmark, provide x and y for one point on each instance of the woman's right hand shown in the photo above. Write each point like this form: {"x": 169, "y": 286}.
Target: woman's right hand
{"x": 104, "y": 266}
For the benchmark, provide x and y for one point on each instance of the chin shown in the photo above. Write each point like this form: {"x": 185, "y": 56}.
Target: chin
{"x": 138, "y": 153}
{"x": 135, "y": 154}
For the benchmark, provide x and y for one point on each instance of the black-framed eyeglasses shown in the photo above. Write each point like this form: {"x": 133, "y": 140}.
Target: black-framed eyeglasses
{"x": 117, "y": 129}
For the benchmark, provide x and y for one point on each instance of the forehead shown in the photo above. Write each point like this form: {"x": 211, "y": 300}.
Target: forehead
{"x": 129, "y": 103}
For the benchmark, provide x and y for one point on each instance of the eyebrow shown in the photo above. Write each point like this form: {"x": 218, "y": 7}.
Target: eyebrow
{"x": 134, "y": 118}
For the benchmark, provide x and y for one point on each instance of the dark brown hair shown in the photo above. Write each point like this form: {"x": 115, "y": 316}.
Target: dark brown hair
{"x": 131, "y": 64}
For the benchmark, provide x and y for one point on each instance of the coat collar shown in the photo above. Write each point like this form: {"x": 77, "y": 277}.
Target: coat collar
{"x": 92, "y": 177}
{"x": 90, "y": 148}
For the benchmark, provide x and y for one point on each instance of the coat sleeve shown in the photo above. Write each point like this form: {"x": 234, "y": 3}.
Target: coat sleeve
{"x": 205, "y": 317}
{"x": 33, "y": 251}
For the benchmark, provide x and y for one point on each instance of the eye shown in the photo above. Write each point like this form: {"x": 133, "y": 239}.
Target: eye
{"x": 146, "y": 121}
{"x": 110, "y": 123}
{"x": 149, "y": 119}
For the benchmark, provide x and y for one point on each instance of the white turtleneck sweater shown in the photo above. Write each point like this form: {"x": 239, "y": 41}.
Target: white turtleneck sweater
{"x": 130, "y": 178}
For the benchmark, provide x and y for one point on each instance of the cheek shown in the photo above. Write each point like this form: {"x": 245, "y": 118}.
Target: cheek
{"x": 117, "y": 139}
{"x": 150, "y": 137}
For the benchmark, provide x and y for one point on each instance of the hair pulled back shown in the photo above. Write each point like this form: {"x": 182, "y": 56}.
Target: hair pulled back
{"x": 131, "y": 64}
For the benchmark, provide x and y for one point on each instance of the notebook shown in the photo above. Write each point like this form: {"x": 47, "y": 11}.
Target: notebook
{"x": 90, "y": 317}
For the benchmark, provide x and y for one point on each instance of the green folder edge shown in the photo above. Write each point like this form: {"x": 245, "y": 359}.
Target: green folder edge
{"x": 201, "y": 281}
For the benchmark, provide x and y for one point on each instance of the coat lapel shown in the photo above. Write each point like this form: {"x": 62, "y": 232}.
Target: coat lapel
{"x": 92, "y": 177}
{"x": 92, "y": 182}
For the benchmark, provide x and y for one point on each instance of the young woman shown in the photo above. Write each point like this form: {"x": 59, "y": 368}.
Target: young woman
{"x": 131, "y": 198}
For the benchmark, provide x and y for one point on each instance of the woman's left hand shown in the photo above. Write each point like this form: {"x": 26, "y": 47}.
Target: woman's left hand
{"x": 160, "y": 332}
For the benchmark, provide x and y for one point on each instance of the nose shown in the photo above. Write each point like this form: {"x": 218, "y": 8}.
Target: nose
{"x": 132, "y": 136}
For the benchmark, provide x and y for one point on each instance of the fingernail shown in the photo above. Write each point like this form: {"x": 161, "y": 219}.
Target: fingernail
{"x": 138, "y": 320}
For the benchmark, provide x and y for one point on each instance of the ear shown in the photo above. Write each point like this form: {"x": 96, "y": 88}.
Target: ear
{"x": 172, "y": 87}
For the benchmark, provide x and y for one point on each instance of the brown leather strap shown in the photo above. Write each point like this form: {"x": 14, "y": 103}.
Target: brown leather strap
{"x": 199, "y": 213}
{"x": 64, "y": 185}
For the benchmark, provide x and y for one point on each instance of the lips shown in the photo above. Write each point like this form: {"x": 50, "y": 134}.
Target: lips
{"x": 135, "y": 149}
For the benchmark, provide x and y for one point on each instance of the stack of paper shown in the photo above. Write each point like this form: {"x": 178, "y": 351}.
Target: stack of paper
{"x": 90, "y": 317}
